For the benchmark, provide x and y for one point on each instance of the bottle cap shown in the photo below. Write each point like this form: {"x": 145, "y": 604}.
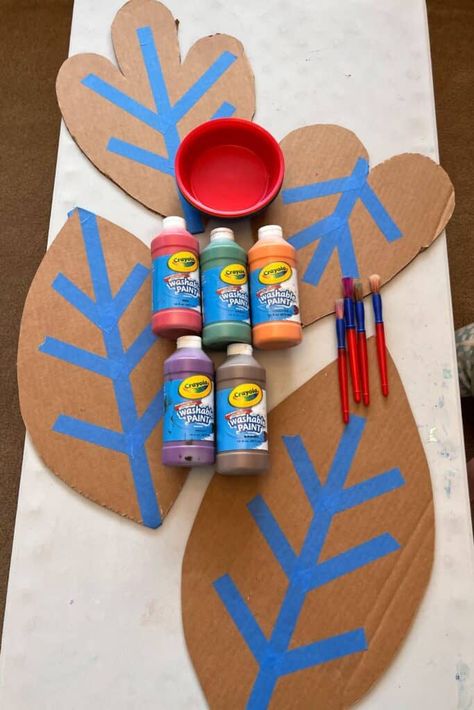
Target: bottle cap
{"x": 174, "y": 223}
{"x": 239, "y": 349}
{"x": 270, "y": 231}
{"x": 189, "y": 341}
{"x": 222, "y": 233}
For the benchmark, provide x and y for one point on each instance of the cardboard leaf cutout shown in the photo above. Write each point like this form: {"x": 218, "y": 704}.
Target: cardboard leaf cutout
{"x": 299, "y": 586}
{"x": 90, "y": 370}
{"x": 347, "y": 221}
{"x": 130, "y": 121}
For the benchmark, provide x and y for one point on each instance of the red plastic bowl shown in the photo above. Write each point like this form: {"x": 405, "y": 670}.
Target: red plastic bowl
{"x": 229, "y": 167}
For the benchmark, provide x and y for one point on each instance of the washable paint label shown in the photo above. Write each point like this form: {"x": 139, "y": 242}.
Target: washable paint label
{"x": 274, "y": 293}
{"x": 176, "y": 281}
{"x": 189, "y": 409}
{"x": 242, "y": 418}
{"x": 225, "y": 294}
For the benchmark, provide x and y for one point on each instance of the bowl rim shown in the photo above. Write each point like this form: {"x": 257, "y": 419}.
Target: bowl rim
{"x": 257, "y": 129}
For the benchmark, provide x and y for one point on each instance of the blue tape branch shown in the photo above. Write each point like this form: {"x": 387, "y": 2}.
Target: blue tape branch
{"x": 166, "y": 116}
{"x": 105, "y": 312}
{"x": 333, "y": 232}
{"x": 304, "y": 570}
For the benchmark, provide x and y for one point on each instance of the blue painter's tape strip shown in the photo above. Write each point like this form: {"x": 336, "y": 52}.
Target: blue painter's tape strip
{"x": 379, "y": 214}
{"x": 139, "y": 348}
{"x": 90, "y": 433}
{"x": 205, "y": 82}
{"x": 349, "y": 561}
{"x": 151, "y": 416}
{"x": 315, "y": 231}
{"x": 140, "y": 155}
{"x": 121, "y": 100}
{"x": 78, "y": 357}
{"x": 345, "y": 453}
{"x": 271, "y": 531}
{"x": 145, "y": 492}
{"x": 367, "y": 490}
{"x": 320, "y": 259}
{"x": 225, "y": 110}
{"x": 323, "y": 651}
{"x": 154, "y": 72}
{"x": 303, "y": 467}
{"x": 321, "y": 189}
{"x": 75, "y": 297}
{"x": 130, "y": 288}
{"x": 241, "y": 616}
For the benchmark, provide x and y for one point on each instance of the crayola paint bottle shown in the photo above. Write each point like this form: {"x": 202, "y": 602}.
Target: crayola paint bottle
{"x": 276, "y": 321}
{"x": 225, "y": 292}
{"x": 188, "y": 422}
{"x": 241, "y": 419}
{"x": 176, "y": 288}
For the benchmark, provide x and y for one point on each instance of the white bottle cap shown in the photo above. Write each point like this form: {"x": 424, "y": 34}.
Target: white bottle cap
{"x": 189, "y": 341}
{"x": 174, "y": 223}
{"x": 222, "y": 233}
{"x": 270, "y": 231}
{"x": 239, "y": 349}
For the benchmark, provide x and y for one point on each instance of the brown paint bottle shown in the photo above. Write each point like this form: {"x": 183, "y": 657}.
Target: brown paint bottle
{"x": 241, "y": 419}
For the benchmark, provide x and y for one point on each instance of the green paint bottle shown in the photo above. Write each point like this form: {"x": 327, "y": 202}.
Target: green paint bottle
{"x": 225, "y": 291}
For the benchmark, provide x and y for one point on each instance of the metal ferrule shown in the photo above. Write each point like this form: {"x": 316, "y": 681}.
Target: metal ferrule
{"x": 377, "y": 304}
{"x": 349, "y": 313}
{"x": 360, "y": 316}
{"x": 341, "y": 333}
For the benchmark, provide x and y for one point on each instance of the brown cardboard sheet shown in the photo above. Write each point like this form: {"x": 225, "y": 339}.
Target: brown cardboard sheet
{"x": 409, "y": 197}
{"x": 90, "y": 370}
{"x": 298, "y": 594}
{"x": 134, "y": 144}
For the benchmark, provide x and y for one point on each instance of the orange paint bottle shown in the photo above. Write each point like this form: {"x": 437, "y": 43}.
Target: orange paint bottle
{"x": 276, "y": 320}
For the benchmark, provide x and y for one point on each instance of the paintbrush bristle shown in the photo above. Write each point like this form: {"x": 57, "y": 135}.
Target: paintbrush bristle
{"x": 374, "y": 281}
{"x": 358, "y": 290}
{"x": 340, "y": 308}
{"x": 348, "y": 286}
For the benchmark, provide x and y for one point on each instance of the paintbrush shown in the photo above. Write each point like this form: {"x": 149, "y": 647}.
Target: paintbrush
{"x": 379, "y": 332}
{"x": 349, "y": 317}
{"x": 342, "y": 359}
{"x": 362, "y": 340}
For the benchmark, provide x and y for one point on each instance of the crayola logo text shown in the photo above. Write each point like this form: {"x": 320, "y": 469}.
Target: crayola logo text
{"x": 195, "y": 387}
{"x": 275, "y": 273}
{"x": 234, "y": 274}
{"x": 183, "y": 261}
{"x": 246, "y": 395}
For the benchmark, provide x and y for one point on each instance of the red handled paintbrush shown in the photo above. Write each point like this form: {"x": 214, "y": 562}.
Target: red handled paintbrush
{"x": 342, "y": 359}
{"x": 362, "y": 340}
{"x": 374, "y": 281}
{"x": 349, "y": 318}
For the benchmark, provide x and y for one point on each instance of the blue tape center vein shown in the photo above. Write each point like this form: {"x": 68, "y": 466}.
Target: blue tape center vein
{"x": 333, "y": 233}
{"x": 105, "y": 311}
{"x": 165, "y": 117}
{"x": 305, "y": 570}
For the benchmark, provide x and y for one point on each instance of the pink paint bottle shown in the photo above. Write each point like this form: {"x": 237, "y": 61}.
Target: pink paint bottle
{"x": 176, "y": 284}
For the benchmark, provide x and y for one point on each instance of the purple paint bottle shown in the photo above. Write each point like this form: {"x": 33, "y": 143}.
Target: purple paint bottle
{"x": 188, "y": 422}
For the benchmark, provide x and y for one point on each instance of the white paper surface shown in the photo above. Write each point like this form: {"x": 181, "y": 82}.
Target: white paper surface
{"x": 93, "y": 611}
